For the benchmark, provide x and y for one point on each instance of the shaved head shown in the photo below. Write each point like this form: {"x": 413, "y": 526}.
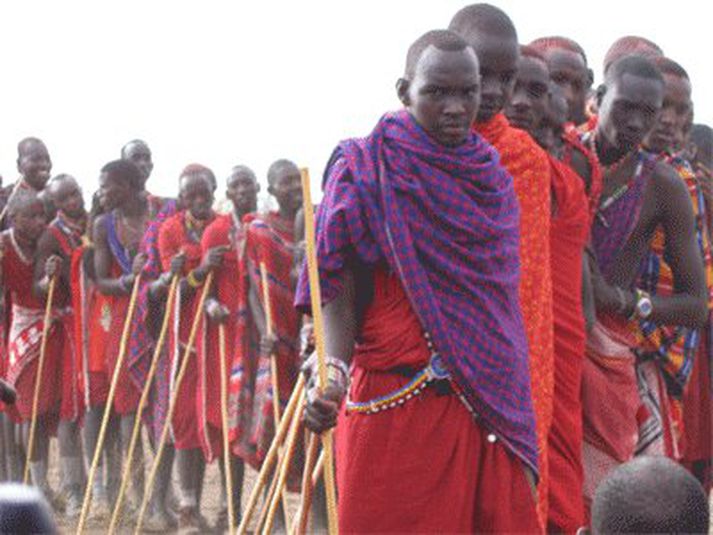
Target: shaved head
{"x": 631, "y": 45}
{"x": 22, "y": 200}
{"x": 650, "y": 495}
{"x": 557, "y": 42}
{"x": 441, "y": 39}
{"x": 482, "y": 19}
{"x": 492, "y": 35}
{"x": 279, "y": 167}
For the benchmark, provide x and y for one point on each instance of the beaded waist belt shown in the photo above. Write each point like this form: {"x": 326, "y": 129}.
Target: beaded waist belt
{"x": 435, "y": 371}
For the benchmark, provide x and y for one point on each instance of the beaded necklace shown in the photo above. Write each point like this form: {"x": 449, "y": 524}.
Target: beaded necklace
{"x": 195, "y": 227}
{"x": 620, "y": 191}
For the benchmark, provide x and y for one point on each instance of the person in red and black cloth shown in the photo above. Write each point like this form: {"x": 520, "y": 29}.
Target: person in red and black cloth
{"x": 117, "y": 234}
{"x": 417, "y": 246}
{"x": 269, "y": 239}
{"x": 226, "y": 307}
{"x": 179, "y": 247}
{"x": 59, "y": 244}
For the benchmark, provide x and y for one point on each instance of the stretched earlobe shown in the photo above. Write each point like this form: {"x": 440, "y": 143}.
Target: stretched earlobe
{"x": 601, "y": 91}
{"x": 402, "y": 87}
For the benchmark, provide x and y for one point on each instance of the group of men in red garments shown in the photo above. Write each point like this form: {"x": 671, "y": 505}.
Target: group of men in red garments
{"x": 92, "y": 262}
{"x": 516, "y": 282}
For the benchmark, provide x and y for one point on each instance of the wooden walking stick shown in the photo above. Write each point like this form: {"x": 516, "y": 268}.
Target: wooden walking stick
{"x": 109, "y": 402}
{"x": 316, "y": 299}
{"x": 172, "y": 401}
{"x": 296, "y": 399}
{"x": 38, "y": 379}
{"x": 273, "y": 369}
{"x": 224, "y": 416}
{"x": 136, "y": 432}
{"x": 300, "y": 524}
{"x": 281, "y": 472}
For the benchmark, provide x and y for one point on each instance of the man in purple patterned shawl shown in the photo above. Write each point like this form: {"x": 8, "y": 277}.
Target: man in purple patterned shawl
{"x": 417, "y": 244}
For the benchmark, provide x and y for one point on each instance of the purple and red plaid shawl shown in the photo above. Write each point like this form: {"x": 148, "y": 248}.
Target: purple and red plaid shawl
{"x": 447, "y": 221}
{"x": 144, "y": 326}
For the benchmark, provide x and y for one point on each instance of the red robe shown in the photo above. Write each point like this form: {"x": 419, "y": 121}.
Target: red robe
{"x": 429, "y": 467}
{"x": 568, "y": 236}
{"x": 70, "y": 242}
{"x": 108, "y": 315}
{"x": 269, "y": 239}
{"x": 25, "y": 336}
{"x": 229, "y": 284}
{"x": 529, "y": 166}
{"x": 172, "y": 239}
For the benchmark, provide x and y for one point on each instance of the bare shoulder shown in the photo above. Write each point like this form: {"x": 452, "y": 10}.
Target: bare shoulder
{"x": 668, "y": 184}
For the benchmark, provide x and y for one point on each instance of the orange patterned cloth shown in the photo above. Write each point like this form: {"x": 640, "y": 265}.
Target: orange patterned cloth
{"x": 529, "y": 167}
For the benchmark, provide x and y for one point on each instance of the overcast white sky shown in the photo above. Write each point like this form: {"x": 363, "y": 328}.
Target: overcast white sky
{"x": 228, "y": 82}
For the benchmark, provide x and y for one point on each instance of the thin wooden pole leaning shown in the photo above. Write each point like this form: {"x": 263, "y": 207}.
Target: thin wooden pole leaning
{"x": 296, "y": 399}
{"x": 300, "y": 524}
{"x": 109, "y": 402}
{"x": 224, "y": 416}
{"x": 282, "y": 470}
{"x": 172, "y": 401}
{"x": 38, "y": 379}
{"x": 316, "y": 299}
{"x": 273, "y": 369}
{"x": 136, "y": 432}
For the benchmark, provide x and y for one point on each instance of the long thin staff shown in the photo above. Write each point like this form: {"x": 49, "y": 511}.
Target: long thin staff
{"x": 38, "y": 379}
{"x": 316, "y": 298}
{"x": 136, "y": 432}
{"x": 109, "y": 402}
{"x": 281, "y": 475}
{"x": 296, "y": 399}
{"x": 224, "y": 416}
{"x": 300, "y": 524}
{"x": 273, "y": 369}
{"x": 173, "y": 399}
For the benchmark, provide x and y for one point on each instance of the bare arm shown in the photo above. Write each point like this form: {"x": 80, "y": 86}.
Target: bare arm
{"x": 340, "y": 329}
{"x": 688, "y": 304}
{"x": 107, "y": 284}
{"x": 674, "y": 212}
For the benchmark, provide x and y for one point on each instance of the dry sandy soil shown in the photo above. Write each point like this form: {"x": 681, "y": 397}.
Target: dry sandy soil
{"x": 210, "y": 501}
{"x": 211, "y": 495}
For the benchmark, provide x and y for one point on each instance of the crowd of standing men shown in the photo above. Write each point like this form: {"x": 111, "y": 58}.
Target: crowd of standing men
{"x": 516, "y": 279}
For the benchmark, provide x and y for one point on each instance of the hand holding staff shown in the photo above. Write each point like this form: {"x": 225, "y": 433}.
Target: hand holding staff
{"x": 109, "y": 402}
{"x": 316, "y": 298}
{"x": 136, "y": 432}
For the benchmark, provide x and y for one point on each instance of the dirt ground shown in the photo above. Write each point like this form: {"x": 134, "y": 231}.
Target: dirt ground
{"x": 210, "y": 500}
{"x": 211, "y": 495}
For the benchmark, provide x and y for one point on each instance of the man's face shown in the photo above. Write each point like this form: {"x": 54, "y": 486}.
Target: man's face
{"x": 629, "y": 109}
{"x": 569, "y": 72}
{"x": 444, "y": 95}
{"x": 34, "y": 165}
{"x": 287, "y": 188}
{"x": 140, "y": 155}
{"x": 498, "y": 58}
{"x": 112, "y": 192}
{"x": 196, "y": 195}
{"x": 67, "y": 197}
{"x": 528, "y": 105}
{"x": 669, "y": 130}
{"x": 242, "y": 190}
{"x": 30, "y": 221}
